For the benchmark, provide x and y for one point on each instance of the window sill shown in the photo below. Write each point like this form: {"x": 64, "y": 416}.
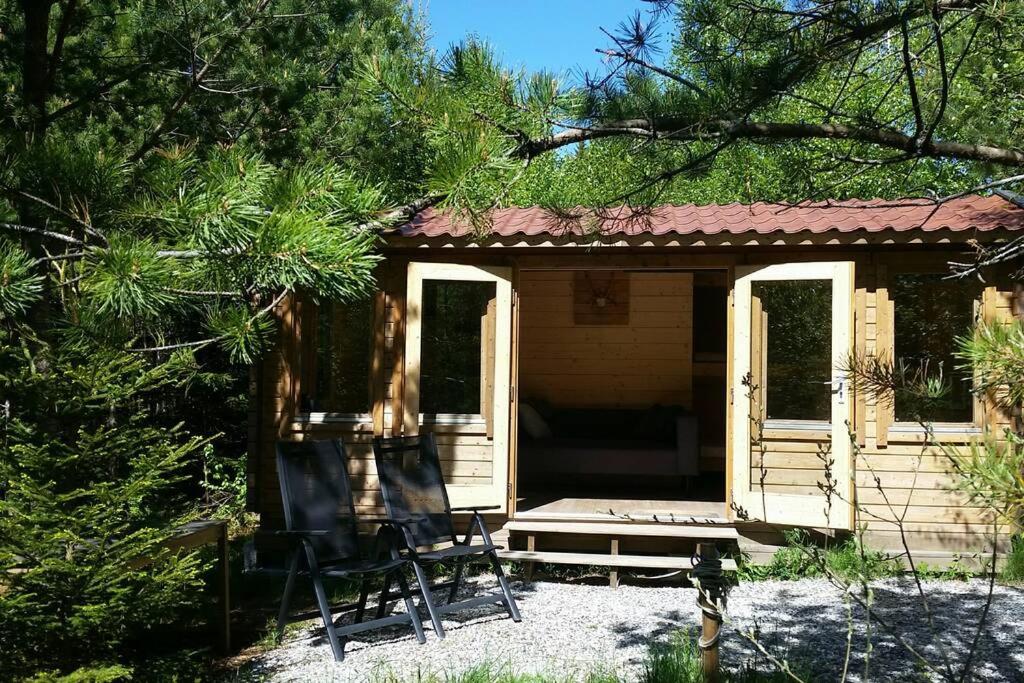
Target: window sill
{"x": 799, "y": 425}
{"x": 452, "y": 419}
{"x": 333, "y": 418}
{"x": 809, "y": 430}
{"x": 944, "y": 432}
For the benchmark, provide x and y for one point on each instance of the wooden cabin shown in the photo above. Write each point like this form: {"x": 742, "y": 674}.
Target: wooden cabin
{"x": 630, "y": 389}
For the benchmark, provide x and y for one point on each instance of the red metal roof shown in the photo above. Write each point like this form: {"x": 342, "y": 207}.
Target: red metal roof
{"x": 871, "y": 215}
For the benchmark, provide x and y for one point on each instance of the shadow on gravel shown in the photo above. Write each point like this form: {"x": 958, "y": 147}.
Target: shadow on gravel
{"x": 452, "y": 621}
{"x": 813, "y": 633}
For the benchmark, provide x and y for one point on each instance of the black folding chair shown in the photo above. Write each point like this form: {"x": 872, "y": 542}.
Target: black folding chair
{"x": 417, "y": 504}
{"x": 320, "y": 521}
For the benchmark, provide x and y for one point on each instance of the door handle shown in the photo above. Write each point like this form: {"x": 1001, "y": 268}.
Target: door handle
{"x": 838, "y": 385}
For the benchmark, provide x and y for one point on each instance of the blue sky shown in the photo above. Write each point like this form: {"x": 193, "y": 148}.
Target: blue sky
{"x": 557, "y": 35}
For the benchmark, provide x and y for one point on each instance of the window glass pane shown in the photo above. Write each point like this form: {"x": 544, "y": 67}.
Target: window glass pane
{"x": 796, "y": 324}
{"x": 453, "y": 317}
{"x": 344, "y": 342}
{"x": 929, "y": 313}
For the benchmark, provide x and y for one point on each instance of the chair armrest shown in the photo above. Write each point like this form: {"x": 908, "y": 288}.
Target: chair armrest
{"x": 476, "y": 508}
{"x": 400, "y": 525}
{"x": 401, "y": 521}
{"x": 287, "y": 533}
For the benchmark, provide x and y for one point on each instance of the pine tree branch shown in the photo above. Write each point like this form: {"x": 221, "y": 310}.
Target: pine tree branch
{"x": 86, "y": 227}
{"x": 627, "y": 57}
{"x": 49, "y": 234}
{"x": 67, "y": 14}
{"x": 213, "y": 294}
{"x": 908, "y": 70}
{"x": 688, "y": 129}
{"x": 402, "y": 213}
{"x": 198, "y": 253}
{"x": 202, "y": 343}
{"x": 98, "y": 92}
{"x": 153, "y": 139}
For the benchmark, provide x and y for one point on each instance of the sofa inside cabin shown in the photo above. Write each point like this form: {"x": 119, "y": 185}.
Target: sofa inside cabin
{"x": 657, "y": 442}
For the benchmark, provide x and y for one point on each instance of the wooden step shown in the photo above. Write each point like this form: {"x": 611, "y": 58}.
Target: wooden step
{"x": 612, "y": 518}
{"x": 696, "y": 531}
{"x": 603, "y": 560}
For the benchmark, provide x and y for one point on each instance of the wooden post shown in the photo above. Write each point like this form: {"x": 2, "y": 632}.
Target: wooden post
{"x": 225, "y": 587}
{"x": 613, "y": 575}
{"x": 531, "y": 546}
{"x": 711, "y": 617}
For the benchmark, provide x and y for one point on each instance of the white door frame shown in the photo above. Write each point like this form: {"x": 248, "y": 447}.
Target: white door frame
{"x": 494, "y": 493}
{"x": 780, "y": 508}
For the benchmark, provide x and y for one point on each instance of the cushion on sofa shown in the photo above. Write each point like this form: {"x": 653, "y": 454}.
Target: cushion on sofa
{"x": 535, "y": 426}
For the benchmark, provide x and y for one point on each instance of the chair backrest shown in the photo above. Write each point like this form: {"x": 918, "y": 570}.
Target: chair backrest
{"x": 316, "y": 495}
{"x": 412, "y": 484}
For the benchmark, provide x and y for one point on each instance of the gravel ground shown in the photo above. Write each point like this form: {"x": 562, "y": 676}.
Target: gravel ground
{"x": 570, "y": 629}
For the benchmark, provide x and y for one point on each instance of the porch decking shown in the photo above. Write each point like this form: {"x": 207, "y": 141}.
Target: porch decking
{"x": 636, "y": 533}
{"x": 558, "y": 508}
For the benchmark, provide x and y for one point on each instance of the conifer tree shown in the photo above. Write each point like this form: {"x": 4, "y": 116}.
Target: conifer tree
{"x": 89, "y": 493}
{"x": 169, "y": 172}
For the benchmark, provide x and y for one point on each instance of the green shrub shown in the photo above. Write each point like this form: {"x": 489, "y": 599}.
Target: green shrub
{"x": 678, "y": 661}
{"x": 957, "y": 570}
{"x": 490, "y": 672}
{"x": 800, "y": 559}
{"x": 852, "y": 562}
{"x": 1013, "y": 570}
{"x": 94, "y": 674}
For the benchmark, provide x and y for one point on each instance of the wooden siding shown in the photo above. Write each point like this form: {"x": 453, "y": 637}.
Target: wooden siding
{"x": 466, "y": 451}
{"x": 914, "y": 480}
{"x": 643, "y": 363}
{"x": 896, "y": 477}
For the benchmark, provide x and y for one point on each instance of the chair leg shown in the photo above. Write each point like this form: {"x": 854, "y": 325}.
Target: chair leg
{"x": 428, "y": 600}
{"x": 364, "y": 593}
{"x": 510, "y": 602}
{"x": 286, "y": 597}
{"x": 455, "y": 581}
{"x": 385, "y": 595}
{"x": 410, "y": 606}
{"x": 325, "y": 607}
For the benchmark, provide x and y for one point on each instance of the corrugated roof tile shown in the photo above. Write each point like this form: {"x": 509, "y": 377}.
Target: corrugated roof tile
{"x": 972, "y": 212}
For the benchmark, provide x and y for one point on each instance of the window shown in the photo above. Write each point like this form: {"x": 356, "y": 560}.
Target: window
{"x": 929, "y": 312}
{"x": 341, "y": 372}
{"x": 454, "y": 353}
{"x": 796, "y": 371}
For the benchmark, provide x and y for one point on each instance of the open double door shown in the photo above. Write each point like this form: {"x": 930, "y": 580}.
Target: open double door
{"x": 791, "y": 332}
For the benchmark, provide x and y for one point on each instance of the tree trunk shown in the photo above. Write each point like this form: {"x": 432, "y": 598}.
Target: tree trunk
{"x": 35, "y": 86}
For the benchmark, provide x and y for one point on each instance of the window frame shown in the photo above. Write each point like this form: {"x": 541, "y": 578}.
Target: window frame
{"x": 309, "y": 341}
{"x": 492, "y": 369}
{"x": 478, "y": 419}
{"x": 903, "y": 430}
